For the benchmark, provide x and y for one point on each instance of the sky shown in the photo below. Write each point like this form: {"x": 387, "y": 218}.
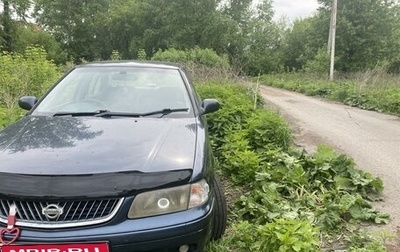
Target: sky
{"x": 293, "y": 9}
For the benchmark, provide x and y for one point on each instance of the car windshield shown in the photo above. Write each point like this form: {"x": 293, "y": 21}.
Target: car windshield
{"x": 136, "y": 90}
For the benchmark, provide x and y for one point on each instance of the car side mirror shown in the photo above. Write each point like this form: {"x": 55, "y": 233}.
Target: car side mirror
{"x": 209, "y": 106}
{"x": 27, "y": 102}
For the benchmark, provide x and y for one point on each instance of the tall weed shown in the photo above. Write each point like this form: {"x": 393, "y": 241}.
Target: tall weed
{"x": 27, "y": 74}
{"x": 374, "y": 89}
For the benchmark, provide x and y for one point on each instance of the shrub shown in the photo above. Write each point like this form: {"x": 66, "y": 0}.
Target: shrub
{"x": 285, "y": 235}
{"x": 291, "y": 197}
{"x": 28, "y": 74}
{"x": 236, "y": 109}
{"x": 320, "y": 64}
{"x": 267, "y": 131}
{"x": 372, "y": 90}
{"x": 200, "y": 64}
{"x": 206, "y": 57}
{"x": 236, "y": 158}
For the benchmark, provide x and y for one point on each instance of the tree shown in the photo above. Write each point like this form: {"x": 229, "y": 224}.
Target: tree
{"x": 74, "y": 23}
{"x": 17, "y": 8}
{"x": 263, "y": 41}
{"x": 28, "y": 34}
{"x": 162, "y": 24}
{"x": 254, "y": 46}
{"x": 365, "y": 32}
{"x": 302, "y": 42}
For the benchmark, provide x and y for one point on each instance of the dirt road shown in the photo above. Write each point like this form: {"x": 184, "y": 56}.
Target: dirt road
{"x": 372, "y": 139}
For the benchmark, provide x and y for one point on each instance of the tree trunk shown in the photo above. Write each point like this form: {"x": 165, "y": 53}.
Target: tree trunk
{"x": 7, "y": 27}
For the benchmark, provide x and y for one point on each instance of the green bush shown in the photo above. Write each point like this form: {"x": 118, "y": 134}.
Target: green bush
{"x": 371, "y": 91}
{"x": 282, "y": 235}
{"x": 267, "y": 131}
{"x": 240, "y": 133}
{"x": 200, "y": 64}
{"x": 287, "y": 235}
{"x": 236, "y": 158}
{"x": 27, "y": 74}
{"x": 206, "y": 57}
{"x": 288, "y": 193}
{"x": 320, "y": 64}
{"x": 236, "y": 109}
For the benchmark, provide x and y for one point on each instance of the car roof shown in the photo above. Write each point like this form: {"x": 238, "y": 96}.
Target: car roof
{"x": 121, "y": 63}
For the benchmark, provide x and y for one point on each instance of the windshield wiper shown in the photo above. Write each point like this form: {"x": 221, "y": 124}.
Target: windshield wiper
{"x": 166, "y": 111}
{"x": 107, "y": 113}
{"x": 127, "y": 114}
{"x": 92, "y": 113}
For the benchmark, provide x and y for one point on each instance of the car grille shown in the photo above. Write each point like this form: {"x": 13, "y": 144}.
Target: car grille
{"x": 74, "y": 213}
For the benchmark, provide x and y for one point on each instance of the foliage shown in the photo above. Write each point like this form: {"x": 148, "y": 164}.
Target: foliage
{"x": 323, "y": 188}
{"x": 267, "y": 131}
{"x": 11, "y": 9}
{"x": 200, "y": 64}
{"x": 27, "y": 74}
{"x": 254, "y": 47}
{"x": 320, "y": 63}
{"x": 301, "y": 43}
{"x": 199, "y": 56}
{"x": 77, "y": 25}
{"x": 155, "y": 25}
{"x": 292, "y": 197}
{"x": 287, "y": 235}
{"x": 237, "y": 113}
{"x": 372, "y": 90}
{"x": 115, "y": 55}
{"x": 366, "y": 32}
{"x": 142, "y": 54}
{"x": 32, "y": 35}
{"x": 364, "y": 242}
{"x": 236, "y": 158}
{"x": 236, "y": 107}
{"x": 281, "y": 235}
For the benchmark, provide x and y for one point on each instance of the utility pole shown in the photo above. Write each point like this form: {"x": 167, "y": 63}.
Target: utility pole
{"x": 330, "y": 35}
{"x": 332, "y": 39}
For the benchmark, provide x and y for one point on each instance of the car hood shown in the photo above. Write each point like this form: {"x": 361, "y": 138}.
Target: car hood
{"x": 42, "y": 150}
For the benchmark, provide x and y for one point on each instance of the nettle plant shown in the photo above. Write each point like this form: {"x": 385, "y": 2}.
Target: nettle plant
{"x": 291, "y": 198}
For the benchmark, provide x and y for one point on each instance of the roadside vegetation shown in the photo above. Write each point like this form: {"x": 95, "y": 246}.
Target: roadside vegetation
{"x": 288, "y": 200}
{"x": 28, "y": 73}
{"x": 374, "y": 89}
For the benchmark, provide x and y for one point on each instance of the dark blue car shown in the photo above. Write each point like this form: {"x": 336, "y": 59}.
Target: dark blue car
{"x": 115, "y": 157}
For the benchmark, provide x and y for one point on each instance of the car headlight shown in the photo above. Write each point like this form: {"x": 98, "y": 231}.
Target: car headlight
{"x": 169, "y": 200}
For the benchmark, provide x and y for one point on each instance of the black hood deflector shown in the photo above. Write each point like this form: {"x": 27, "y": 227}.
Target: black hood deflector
{"x": 104, "y": 185}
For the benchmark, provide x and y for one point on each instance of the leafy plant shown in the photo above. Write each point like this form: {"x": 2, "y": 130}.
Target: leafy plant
{"x": 267, "y": 131}
{"x": 282, "y": 235}
{"x": 292, "y": 197}
{"x": 206, "y": 57}
{"x": 27, "y": 74}
{"x": 371, "y": 90}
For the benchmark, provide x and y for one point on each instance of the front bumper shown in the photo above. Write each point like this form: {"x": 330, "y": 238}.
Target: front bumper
{"x": 158, "y": 233}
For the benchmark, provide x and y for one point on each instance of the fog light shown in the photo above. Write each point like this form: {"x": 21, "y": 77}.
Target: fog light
{"x": 184, "y": 248}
